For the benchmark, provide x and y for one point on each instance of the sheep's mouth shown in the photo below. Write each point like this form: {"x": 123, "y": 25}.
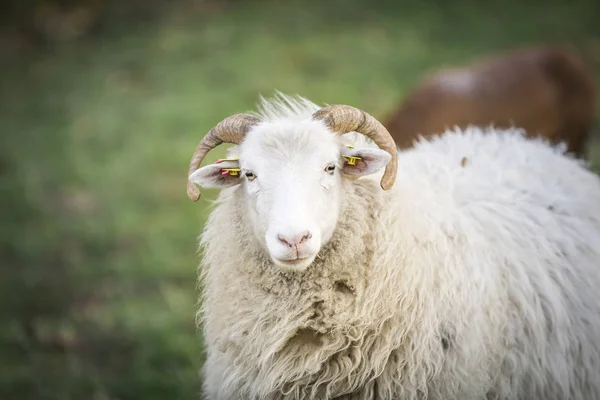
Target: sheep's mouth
{"x": 295, "y": 263}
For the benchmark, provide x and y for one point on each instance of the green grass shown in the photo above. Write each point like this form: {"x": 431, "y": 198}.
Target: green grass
{"x": 98, "y": 286}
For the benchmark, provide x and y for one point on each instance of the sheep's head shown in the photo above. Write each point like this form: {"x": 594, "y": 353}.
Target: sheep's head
{"x": 291, "y": 173}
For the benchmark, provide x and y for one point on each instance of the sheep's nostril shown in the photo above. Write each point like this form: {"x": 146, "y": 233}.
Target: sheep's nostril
{"x": 283, "y": 241}
{"x": 305, "y": 237}
{"x": 294, "y": 240}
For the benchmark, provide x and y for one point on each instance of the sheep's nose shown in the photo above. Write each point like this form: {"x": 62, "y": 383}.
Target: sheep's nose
{"x": 294, "y": 239}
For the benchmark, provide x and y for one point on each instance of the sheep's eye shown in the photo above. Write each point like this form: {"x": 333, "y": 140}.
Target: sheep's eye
{"x": 330, "y": 168}
{"x": 250, "y": 176}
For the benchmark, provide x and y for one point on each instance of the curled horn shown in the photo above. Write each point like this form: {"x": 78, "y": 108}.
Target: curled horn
{"x": 232, "y": 129}
{"x": 343, "y": 119}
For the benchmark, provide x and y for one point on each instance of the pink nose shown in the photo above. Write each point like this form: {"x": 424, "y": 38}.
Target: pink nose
{"x": 294, "y": 240}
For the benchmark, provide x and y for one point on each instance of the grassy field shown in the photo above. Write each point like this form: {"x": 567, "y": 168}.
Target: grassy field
{"x": 98, "y": 238}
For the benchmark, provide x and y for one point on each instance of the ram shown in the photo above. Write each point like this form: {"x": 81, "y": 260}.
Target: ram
{"x": 335, "y": 266}
{"x": 547, "y": 91}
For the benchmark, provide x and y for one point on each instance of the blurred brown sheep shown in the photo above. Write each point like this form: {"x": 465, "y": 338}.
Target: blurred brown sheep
{"x": 548, "y": 91}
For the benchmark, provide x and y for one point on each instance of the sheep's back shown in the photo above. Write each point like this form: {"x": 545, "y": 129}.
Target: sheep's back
{"x": 499, "y": 240}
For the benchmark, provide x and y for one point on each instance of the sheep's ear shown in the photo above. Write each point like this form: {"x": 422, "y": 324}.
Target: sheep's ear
{"x": 216, "y": 176}
{"x": 364, "y": 161}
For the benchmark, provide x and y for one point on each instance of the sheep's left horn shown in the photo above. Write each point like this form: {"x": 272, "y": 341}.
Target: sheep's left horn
{"x": 343, "y": 119}
{"x": 232, "y": 129}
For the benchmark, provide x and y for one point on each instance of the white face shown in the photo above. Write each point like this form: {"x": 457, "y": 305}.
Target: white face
{"x": 292, "y": 175}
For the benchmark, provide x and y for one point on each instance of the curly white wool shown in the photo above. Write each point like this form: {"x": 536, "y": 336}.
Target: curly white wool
{"x": 477, "y": 276}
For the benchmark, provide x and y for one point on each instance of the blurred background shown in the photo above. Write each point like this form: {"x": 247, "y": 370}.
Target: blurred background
{"x": 102, "y": 103}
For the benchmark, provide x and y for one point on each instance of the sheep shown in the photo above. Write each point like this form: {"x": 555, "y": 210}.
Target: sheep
{"x": 336, "y": 267}
{"x": 547, "y": 91}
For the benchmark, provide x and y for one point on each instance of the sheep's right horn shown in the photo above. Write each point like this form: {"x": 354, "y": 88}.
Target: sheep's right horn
{"x": 343, "y": 119}
{"x": 232, "y": 129}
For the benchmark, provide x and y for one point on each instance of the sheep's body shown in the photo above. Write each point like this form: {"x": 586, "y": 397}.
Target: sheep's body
{"x": 472, "y": 278}
{"x": 546, "y": 91}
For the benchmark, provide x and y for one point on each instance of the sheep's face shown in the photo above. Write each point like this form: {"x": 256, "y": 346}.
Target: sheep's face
{"x": 291, "y": 175}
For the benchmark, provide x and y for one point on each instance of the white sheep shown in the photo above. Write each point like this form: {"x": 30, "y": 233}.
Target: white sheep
{"x": 476, "y": 275}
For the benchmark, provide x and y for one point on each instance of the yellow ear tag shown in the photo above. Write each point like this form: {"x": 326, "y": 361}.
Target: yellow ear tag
{"x": 229, "y": 171}
{"x": 220, "y": 160}
{"x": 351, "y": 159}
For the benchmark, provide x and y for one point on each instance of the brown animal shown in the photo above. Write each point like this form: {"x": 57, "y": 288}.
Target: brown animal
{"x": 548, "y": 91}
